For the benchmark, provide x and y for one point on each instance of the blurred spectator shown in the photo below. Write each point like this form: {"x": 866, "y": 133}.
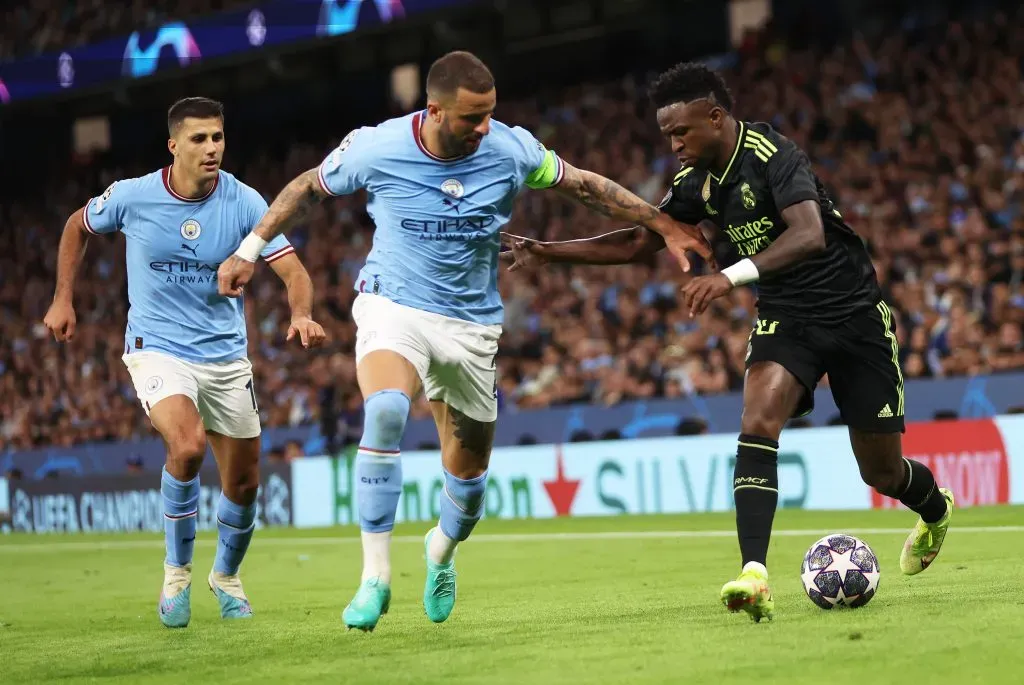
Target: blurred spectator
{"x": 692, "y": 426}
{"x": 134, "y": 465}
{"x": 276, "y": 456}
{"x": 293, "y": 450}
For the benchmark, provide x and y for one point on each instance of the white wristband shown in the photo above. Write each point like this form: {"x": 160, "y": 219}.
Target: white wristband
{"x": 251, "y": 248}
{"x": 741, "y": 273}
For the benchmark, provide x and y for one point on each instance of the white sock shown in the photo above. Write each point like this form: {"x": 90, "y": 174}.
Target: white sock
{"x": 377, "y": 556}
{"x": 176, "y": 578}
{"x": 441, "y": 548}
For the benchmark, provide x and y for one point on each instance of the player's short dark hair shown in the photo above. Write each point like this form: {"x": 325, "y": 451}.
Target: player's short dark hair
{"x": 687, "y": 82}
{"x": 456, "y": 70}
{"x": 198, "y": 108}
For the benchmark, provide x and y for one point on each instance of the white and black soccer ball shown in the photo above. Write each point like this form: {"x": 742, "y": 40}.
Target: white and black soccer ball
{"x": 840, "y": 570}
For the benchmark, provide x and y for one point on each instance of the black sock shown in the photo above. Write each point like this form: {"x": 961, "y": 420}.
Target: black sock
{"x": 755, "y": 489}
{"x": 921, "y": 494}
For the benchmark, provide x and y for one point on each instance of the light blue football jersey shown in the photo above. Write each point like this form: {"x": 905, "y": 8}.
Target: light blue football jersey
{"x": 175, "y": 246}
{"x": 436, "y": 242}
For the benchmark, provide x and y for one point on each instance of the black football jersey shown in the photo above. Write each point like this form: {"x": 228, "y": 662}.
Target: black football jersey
{"x": 766, "y": 174}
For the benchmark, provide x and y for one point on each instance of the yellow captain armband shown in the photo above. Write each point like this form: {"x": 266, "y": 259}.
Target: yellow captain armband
{"x": 548, "y": 174}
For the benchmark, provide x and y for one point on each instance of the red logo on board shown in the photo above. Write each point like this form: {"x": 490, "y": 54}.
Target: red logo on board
{"x": 968, "y": 457}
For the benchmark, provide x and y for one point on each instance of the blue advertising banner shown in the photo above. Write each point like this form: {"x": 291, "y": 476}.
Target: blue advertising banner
{"x": 979, "y": 397}
{"x": 179, "y": 44}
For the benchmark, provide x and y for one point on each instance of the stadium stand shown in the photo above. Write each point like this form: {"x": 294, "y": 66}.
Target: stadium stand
{"x": 921, "y": 141}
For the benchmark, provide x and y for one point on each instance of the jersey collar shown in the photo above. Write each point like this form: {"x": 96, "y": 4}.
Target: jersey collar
{"x": 166, "y": 175}
{"x": 417, "y": 134}
{"x": 735, "y": 154}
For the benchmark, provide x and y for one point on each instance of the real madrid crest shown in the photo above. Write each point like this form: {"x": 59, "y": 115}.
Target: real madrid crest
{"x": 749, "y": 201}
{"x": 706, "y": 190}
{"x": 453, "y": 188}
{"x": 191, "y": 229}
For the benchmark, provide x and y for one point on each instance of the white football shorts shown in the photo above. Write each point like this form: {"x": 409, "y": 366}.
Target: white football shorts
{"x": 455, "y": 359}
{"x": 223, "y": 392}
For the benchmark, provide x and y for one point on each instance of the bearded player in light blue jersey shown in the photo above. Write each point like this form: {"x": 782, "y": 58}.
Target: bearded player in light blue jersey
{"x": 185, "y": 345}
{"x": 441, "y": 184}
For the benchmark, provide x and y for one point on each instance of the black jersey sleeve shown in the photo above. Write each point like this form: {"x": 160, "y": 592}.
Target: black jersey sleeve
{"x": 790, "y": 177}
{"x": 681, "y": 203}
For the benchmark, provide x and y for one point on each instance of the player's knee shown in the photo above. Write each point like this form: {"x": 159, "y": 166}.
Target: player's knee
{"x": 186, "y": 447}
{"x": 888, "y": 478}
{"x": 386, "y": 413}
{"x": 243, "y": 486}
{"x": 762, "y": 420}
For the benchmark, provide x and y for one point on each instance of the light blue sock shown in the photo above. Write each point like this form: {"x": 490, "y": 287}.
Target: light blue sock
{"x": 181, "y": 505}
{"x": 378, "y": 461}
{"x": 462, "y": 504}
{"x": 235, "y": 526}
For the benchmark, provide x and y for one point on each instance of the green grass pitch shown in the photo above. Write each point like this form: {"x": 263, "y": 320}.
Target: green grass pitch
{"x": 609, "y": 600}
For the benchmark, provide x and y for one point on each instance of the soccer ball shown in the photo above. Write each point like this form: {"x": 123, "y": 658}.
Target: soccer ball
{"x": 840, "y": 570}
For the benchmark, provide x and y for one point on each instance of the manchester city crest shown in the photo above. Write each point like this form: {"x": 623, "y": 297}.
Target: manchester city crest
{"x": 191, "y": 229}
{"x": 453, "y": 188}
{"x": 154, "y": 383}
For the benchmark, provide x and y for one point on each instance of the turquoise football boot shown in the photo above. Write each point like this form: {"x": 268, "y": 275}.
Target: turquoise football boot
{"x": 230, "y": 595}
{"x": 372, "y": 600}
{"x": 175, "y": 607}
{"x": 439, "y": 590}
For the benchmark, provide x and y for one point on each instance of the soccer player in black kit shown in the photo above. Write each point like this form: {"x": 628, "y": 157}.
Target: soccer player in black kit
{"x": 820, "y": 311}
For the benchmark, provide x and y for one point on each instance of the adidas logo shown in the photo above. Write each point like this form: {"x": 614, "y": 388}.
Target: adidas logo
{"x": 886, "y": 412}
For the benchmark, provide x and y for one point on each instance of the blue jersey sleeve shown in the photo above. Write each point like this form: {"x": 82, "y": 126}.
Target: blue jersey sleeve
{"x": 346, "y": 169}
{"x": 106, "y": 213}
{"x": 277, "y": 248}
{"x": 536, "y": 166}
{"x": 253, "y": 207}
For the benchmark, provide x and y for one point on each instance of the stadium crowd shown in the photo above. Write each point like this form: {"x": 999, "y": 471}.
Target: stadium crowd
{"x": 920, "y": 139}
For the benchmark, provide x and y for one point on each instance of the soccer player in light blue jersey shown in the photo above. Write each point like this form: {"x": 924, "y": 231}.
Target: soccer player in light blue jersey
{"x": 441, "y": 184}
{"x": 185, "y": 345}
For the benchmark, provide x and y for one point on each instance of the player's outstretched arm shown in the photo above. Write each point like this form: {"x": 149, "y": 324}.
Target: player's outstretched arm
{"x": 804, "y": 237}
{"x": 290, "y": 205}
{"x": 627, "y": 245}
{"x": 60, "y": 318}
{"x": 300, "y": 299}
{"x": 607, "y": 197}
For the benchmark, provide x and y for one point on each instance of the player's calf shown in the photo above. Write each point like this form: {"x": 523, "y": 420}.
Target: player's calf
{"x": 235, "y": 526}
{"x": 462, "y": 505}
{"x": 179, "y": 488}
{"x": 883, "y": 467}
{"x": 238, "y": 460}
{"x": 181, "y": 506}
{"x": 378, "y": 488}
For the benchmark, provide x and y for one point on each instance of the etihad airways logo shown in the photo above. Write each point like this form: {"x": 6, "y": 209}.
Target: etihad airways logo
{"x": 186, "y": 272}
{"x": 450, "y": 228}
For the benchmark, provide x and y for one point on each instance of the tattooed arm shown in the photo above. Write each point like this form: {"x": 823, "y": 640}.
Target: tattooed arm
{"x": 291, "y": 205}
{"x": 604, "y": 196}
